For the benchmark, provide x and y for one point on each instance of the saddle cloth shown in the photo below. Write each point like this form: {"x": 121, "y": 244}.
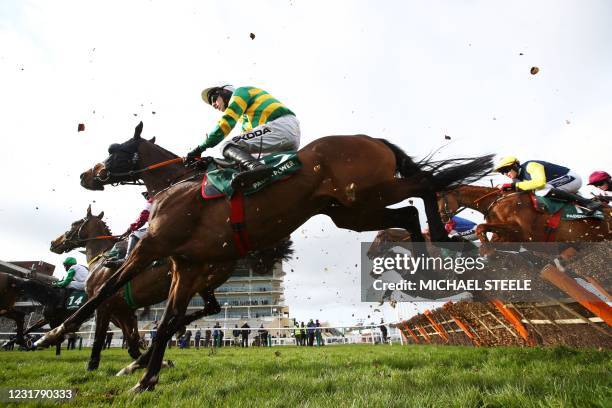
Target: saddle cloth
{"x": 569, "y": 211}
{"x": 75, "y": 299}
{"x": 217, "y": 180}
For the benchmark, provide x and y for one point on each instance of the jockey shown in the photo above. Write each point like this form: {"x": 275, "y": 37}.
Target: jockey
{"x": 76, "y": 276}
{"x": 135, "y": 232}
{"x": 268, "y": 126}
{"x": 544, "y": 179}
{"x": 603, "y": 182}
{"x": 462, "y": 227}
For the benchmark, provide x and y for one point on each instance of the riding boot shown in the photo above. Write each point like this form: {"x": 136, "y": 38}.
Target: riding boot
{"x": 116, "y": 263}
{"x": 589, "y": 205}
{"x": 255, "y": 171}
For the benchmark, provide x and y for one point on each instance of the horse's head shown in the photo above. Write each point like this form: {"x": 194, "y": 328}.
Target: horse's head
{"x": 80, "y": 232}
{"x": 123, "y": 160}
{"x": 449, "y": 204}
{"x": 385, "y": 240}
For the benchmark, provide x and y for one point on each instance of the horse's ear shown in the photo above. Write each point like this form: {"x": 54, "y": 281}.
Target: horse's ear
{"x": 138, "y": 130}
{"x": 89, "y": 211}
{"x": 152, "y": 140}
{"x": 101, "y": 215}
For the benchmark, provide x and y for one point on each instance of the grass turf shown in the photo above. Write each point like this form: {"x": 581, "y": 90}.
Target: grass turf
{"x": 351, "y": 375}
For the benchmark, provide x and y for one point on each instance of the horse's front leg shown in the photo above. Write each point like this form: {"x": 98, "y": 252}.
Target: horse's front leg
{"x": 181, "y": 292}
{"x": 102, "y": 321}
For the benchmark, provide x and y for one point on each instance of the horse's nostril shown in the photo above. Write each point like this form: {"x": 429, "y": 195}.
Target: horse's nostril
{"x": 82, "y": 176}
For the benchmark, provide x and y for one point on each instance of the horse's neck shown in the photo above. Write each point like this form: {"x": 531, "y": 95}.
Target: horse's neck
{"x": 95, "y": 247}
{"x": 477, "y": 198}
{"x": 160, "y": 178}
{"x": 39, "y": 291}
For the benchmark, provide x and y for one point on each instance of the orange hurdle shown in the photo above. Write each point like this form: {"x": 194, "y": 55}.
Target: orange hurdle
{"x": 568, "y": 285}
{"x": 510, "y": 316}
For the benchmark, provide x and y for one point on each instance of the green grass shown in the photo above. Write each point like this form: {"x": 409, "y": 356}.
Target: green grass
{"x": 352, "y": 375}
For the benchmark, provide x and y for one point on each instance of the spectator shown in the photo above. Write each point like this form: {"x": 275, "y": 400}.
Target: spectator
{"x": 188, "y": 335}
{"x": 207, "y": 334}
{"x": 310, "y": 330}
{"x": 109, "y": 339}
{"x": 263, "y": 336}
{"x": 154, "y": 331}
{"x": 318, "y": 334}
{"x": 71, "y": 341}
{"x": 236, "y": 334}
{"x": 383, "y": 330}
{"x": 245, "y": 334}
{"x": 198, "y": 336}
{"x": 296, "y": 333}
{"x": 218, "y": 335}
{"x": 303, "y": 338}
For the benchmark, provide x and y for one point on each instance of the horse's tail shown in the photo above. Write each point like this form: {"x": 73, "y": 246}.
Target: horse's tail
{"x": 445, "y": 173}
{"x": 451, "y": 172}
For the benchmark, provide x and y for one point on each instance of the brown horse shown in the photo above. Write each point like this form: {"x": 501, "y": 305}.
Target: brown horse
{"x": 512, "y": 217}
{"x": 352, "y": 179}
{"x": 145, "y": 289}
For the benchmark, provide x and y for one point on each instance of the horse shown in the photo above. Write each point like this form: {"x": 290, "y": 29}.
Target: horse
{"x": 92, "y": 233}
{"x": 54, "y": 311}
{"x": 513, "y": 218}
{"x": 146, "y": 289}
{"x": 337, "y": 179}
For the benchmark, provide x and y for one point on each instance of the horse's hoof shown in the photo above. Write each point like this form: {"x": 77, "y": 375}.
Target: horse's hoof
{"x": 138, "y": 388}
{"x": 50, "y": 337}
{"x": 167, "y": 364}
{"x": 127, "y": 370}
{"x": 92, "y": 367}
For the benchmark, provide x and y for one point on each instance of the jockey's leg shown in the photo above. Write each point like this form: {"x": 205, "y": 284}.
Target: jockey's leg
{"x": 560, "y": 194}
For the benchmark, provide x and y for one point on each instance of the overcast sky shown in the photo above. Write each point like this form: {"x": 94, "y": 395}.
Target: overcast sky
{"x": 408, "y": 71}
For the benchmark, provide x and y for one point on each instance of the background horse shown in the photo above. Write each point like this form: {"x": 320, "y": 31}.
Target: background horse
{"x": 146, "y": 289}
{"x": 512, "y": 217}
{"x": 51, "y": 298}
{"x": 337, "y": 179}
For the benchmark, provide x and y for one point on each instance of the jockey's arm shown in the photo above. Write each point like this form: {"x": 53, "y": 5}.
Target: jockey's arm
{"x": 66, "y": 281}
{"x": 236, "y": 107}
{"x": 538, "y": 178}
{"x": 142, "y": 218}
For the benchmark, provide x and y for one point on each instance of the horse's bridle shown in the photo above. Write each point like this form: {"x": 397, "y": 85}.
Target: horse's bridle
{"x": 447, "y": 212}
{"x": 133, "y": 166}
{"x": 77, "y": 241}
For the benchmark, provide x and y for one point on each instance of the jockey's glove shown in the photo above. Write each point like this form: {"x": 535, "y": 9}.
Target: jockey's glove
{"x": 508, "y": 187}
{"x": 194, "y": 154}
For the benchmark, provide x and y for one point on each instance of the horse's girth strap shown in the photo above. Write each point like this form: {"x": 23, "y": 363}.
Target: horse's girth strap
{"x": 241, "y": 238}
{"x": 129, "y": 296}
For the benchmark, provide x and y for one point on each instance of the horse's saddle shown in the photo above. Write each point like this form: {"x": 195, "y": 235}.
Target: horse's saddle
{"x": 569, "y": 211}
{"x": 217, "y": 180}
{"x": 75, "y": 299}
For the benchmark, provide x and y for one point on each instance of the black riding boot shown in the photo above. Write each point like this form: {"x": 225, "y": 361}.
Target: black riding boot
{"x": 116, "y": 263}
{"x": 589, "y": 205}
{"x": 254, "y": 170}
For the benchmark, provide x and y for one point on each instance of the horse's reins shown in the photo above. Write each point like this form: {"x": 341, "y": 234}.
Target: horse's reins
{"x": 449, "y": 214}
{"x": 133, "y": 173}
{"x": 76, "y": 240}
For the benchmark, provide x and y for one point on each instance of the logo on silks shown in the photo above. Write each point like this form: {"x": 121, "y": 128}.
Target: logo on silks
{"x": 251, "y": 135}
